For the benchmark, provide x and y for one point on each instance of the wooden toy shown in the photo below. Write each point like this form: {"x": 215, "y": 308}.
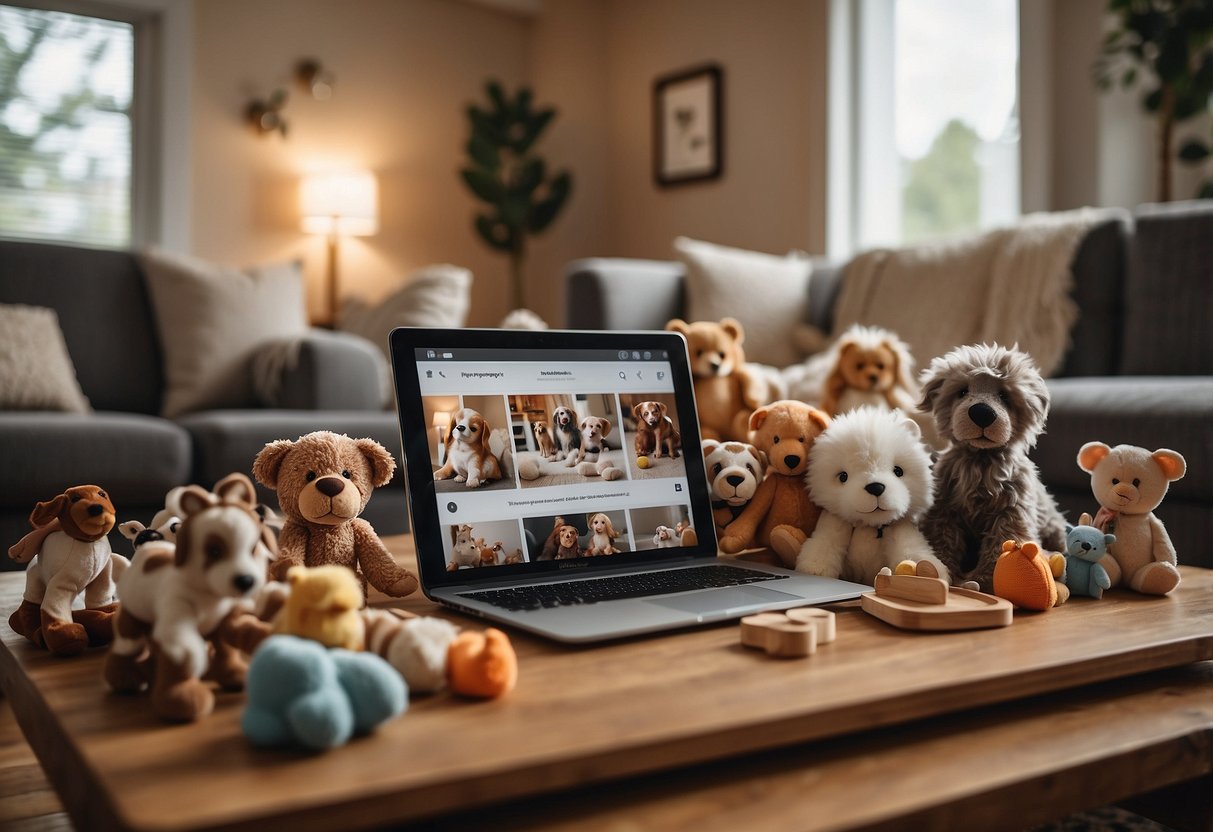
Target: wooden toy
{"x": 924, "y": 601}
{"x": 791, "y": 634}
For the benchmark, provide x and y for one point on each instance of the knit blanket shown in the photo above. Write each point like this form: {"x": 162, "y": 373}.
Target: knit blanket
{"x": 1011, "y": 286}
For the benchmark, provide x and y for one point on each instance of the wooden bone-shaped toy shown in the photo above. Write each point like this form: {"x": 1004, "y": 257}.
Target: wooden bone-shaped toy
{"x": 791, "y": 634}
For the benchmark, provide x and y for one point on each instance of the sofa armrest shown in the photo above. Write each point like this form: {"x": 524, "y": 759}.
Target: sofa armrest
{"x": 332, "y": 371}
{"x": 622, "y": 293}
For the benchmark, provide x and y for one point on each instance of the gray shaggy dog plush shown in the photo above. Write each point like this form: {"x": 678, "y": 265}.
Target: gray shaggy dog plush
{"x": 990, "y": 403}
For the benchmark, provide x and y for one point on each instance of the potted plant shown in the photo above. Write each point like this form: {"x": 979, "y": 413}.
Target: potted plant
{"x": 1168, "y": 46}
{"x": 507, "y": 175}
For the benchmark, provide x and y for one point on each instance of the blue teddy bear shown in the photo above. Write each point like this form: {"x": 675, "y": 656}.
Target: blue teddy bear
{"x": 1085, "y": 546}
{"x": 300, "y": 692}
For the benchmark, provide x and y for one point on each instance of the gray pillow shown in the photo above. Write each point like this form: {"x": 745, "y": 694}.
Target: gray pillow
{"x": 36, "y": 372}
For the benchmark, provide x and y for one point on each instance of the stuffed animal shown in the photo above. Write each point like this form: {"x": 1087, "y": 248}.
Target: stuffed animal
{"x": 780, "y": 515}
{"x": 869, "y": 366}
{"x": 323, "y": 605}
{"x": 324, "y": 481}
{"x": 726, "y": 391}
{"x": 1130, "y": 482}
{"x": 871, "y": 475}
{"x": 734, "y": 471}
{"x": 1025, "y": 578}
{"x": 139, "y": 534}
{"x": 990, "y": 403}
{"x": 186, "y": 602}
{"x": 417, "y": 646}
{"x": 301, "y": 693}
{"x": 1085, "y": 548}
{"x": 68, "y": 556}
{"x": 482, "y": 664}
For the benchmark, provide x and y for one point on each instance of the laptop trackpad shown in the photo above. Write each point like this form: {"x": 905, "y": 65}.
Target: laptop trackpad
{"x": 724, "y": 600}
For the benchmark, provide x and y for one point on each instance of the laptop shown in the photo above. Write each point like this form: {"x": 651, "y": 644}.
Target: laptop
{"x": 539, "y": 499}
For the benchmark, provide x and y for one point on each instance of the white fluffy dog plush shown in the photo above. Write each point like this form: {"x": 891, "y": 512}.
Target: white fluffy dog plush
{"x": 871, "y": 475}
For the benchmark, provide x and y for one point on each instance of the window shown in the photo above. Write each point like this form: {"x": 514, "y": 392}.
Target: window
{"x": 934, "y": 109}
{"x": 66, "y": 132}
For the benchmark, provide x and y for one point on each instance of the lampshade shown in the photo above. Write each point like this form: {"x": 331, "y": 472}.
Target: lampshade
{"x": 341, "y": 203}
{"x": 441, "y": 419}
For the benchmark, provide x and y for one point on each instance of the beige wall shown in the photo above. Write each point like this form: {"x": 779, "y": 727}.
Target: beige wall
{"x": 405, "y": 69}
{"x": 772, "y": 194}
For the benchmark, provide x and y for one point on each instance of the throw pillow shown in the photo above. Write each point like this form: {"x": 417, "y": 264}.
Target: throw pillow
{"x": 434, "y": 296}
{"x": 768, "y": 294}
{"x": 36, "y": 372}
{"x": 212, "y": 320}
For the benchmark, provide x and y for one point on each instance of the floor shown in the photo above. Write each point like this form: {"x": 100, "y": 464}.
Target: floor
{"x": 28, "y": 803}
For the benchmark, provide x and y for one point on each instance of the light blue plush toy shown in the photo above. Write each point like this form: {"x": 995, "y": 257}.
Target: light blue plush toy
{"x": 1085, "y": 546}
{"x": 302, "y": 693}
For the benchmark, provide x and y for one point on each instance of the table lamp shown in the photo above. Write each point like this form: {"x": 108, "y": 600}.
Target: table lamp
{"x": 441, "y": 421}
{"x": 337, "y": 205}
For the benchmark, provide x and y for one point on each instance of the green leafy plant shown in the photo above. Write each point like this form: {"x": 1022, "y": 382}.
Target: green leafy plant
{"x": 505, "y": 173}
{"x": 1167, "y": 45}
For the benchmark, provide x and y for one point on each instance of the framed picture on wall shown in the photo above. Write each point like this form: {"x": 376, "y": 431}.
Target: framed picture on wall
{"x": 688, "y": 126}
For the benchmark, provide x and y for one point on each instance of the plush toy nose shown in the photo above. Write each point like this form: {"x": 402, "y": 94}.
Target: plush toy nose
{"x": 461, "y": 428}
{"x": 874, "y": 488}
{"x": 330, "y": 486}
{"x": 982, "y": 415}
{"x": 714, "y": 365}
{"x": 1086, "y": 547}
{"x": 791, "y": 460}
{"x": 244, "y": 582}
{"x": 734, "y": 479}
{"x": 95, "y": 509}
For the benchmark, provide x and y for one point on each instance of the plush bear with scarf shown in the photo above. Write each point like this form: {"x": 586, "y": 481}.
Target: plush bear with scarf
{"x": 1129, "y": 482}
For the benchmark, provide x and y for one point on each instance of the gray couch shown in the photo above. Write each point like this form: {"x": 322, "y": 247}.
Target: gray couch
{"x": 1139, "y": 371}
{"x": 125, "y": 446}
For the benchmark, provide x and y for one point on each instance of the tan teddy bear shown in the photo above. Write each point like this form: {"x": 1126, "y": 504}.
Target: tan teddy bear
{"x": 1129, "y": 483}
{"x": 780, "y": 515}
{"x": 324, "y": 481}
{"x": 726, "y": 391}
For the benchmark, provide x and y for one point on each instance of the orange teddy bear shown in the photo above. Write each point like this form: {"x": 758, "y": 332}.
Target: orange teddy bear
{"x": 780, "y": 515}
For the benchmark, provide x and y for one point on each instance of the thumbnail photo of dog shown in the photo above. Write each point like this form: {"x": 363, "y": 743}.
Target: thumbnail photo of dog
{"x": 583, "y": 448}
{"x": 474, "y": 451}
{"x": 489, "y": 543}
{"x": 662, "y": 527}
{"x": 652, "y": 437}
{"x": 564, "y": 537}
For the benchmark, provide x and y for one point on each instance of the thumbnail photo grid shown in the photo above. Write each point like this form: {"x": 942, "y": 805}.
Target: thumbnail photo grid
{"x": 567, "y": 536}
{"x": 567, "y": 439}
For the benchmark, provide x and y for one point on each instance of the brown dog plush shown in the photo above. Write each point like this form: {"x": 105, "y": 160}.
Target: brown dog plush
{"x": 780, "y": 515}
{"x": 726, "y": 392}
{"x": 872, "y": 366}
{"x": 68, "y": 554}
{"x": 324, "y": 481}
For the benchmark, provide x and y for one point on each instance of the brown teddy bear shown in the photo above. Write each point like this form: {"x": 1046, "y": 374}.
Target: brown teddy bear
{"x": 324, "y": 481}
{"x": 726, "y": 391}
{"x": 780, "y": 515}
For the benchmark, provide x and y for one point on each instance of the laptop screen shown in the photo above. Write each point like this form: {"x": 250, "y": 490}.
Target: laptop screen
{"x": 531, "y": 452}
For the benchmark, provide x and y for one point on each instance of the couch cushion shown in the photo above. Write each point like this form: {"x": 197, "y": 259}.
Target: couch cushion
{"x": 1153, "y": 412}
{"x": 36, "y": 372}
{"x": 229, "y": 440}
{"x": 1169, "y": 296}
{"x": 1099, "y": 280}
{"x": 136, "y": 458}
{"x": 104, "y": 311}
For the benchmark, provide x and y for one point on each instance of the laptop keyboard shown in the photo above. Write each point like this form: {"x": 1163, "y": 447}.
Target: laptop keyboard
{"x": 593, "y": 590}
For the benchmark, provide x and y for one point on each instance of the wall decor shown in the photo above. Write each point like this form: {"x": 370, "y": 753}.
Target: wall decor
{"x": 688, "y": 126}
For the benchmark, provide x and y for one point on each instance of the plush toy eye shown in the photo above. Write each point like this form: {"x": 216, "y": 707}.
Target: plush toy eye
{"x": 716, "y": 469}
{"x": 1002, "y": 395}
{"x": 1115, "y": 481}
{"x": 345, "y": 474}
{"x": 963, "y": 392}
{"x": 698, "y": 353}
{"x": 860, "y": 365}
{"x": 101, "y": 494}
{"x": 800, "y": 440}
{"x": 749, "y": 467}
{"x": 776, "y": 440}
{"x": 311, "y": 475}
{"x": 1136, "y": 482}
{"x": 842, "y": 476}
{"x": 897, "y": 472}
{"x": 214, "y": 551}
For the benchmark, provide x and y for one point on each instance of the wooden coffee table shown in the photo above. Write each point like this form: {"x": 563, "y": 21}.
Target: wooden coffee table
{"x": 1089, "y": 703}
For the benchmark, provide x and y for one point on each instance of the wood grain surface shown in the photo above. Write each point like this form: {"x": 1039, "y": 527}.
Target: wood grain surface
{"x": 579, "y": 716}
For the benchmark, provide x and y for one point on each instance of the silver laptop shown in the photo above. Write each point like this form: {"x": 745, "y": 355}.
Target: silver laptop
{"x": 540, "y": 498}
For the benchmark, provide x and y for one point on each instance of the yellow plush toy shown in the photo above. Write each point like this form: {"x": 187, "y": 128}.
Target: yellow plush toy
{"x": 323, "y": 605}
{"x": 726, "y": 392}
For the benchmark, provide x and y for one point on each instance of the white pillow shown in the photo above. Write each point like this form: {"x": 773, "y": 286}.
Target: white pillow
{"x": 213, "y": 319}
{"x": 768, "y": 294}
{"x": 36, "y": 371}
{"x": 434, "y": 296}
